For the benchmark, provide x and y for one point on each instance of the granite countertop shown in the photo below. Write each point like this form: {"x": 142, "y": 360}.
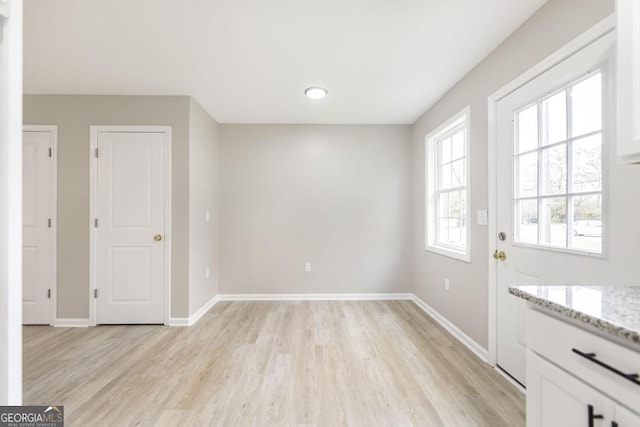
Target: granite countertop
{"x": 611, "y": 309}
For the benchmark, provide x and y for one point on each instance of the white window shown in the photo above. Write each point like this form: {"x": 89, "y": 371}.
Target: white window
{"x": 558, "y": 168}
{"x": 447, "y": 179}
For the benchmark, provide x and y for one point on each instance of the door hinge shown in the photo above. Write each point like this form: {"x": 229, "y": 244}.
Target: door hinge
{"x": 49, "y": 222}
{"x": 95, "y": 222}
{"x": 48, "y": 293}
{"x": 95, "y": 293}
{"x": 50, "y": 152}
{"x": 96, "y": 152}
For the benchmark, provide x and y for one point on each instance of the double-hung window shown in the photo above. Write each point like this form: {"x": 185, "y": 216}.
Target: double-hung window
{"x": 447, "y": 183}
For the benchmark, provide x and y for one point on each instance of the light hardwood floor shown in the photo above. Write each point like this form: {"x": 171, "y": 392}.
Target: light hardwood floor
{"x": 324, "y": 363}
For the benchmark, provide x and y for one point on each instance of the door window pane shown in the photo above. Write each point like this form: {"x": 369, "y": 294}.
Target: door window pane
{"x": 554, "y": 118}
{"x": 586, "y": 106}
{"x": 527, "y": 221}
{"x": 587, "y": 161}
{"x": 554, "y": 170}
{"x": 527, "y": 175}
{"x": 587, "y": 223}
{"x": 527, "y": 121}
{"x": 553, "y": 220}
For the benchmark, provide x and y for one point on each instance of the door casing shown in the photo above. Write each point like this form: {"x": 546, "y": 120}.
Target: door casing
{"x": 93, "y": 209}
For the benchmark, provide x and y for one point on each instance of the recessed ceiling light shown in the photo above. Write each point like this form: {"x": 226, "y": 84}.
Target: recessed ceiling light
{"x": 316, "y": 92}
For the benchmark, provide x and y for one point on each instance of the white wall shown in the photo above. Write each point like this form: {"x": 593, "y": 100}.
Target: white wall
{"x": 465, "y": 305}
{"x": 11, "y": 206}
{"x": 203, "y": 196}
{"x": 335, "y": 196}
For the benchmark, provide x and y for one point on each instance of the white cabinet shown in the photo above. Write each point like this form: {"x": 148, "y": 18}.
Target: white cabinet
{"x": 567, "y": 383}
{"x": 628, "y": 81}
{"x": 555, "y": 398}
{"x": 624, "y": 417}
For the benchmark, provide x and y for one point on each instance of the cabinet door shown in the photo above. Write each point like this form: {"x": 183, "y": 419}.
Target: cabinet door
{"x": 626, "y": 418}
{"x": 556, "y": 398}
{"x": 628, "y": 111}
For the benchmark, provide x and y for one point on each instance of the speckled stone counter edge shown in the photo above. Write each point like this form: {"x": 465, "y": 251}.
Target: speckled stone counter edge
{"x": 603, "y": 325}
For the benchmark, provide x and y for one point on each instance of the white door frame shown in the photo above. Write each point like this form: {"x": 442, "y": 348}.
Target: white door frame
{"x": 93, "y": 209}
{"x": 597, "y": 31}
{"x": 53, "y": 209}
{"x": 11, "y": 203}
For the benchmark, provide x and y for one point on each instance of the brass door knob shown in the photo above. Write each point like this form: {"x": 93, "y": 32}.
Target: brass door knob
{"x": 500, "y": 255}
{"x": 157, "y": 237}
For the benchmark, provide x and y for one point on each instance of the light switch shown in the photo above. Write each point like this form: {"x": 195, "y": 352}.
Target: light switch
{"x": 207, "y": 216}
{"x": 482, "y": 217}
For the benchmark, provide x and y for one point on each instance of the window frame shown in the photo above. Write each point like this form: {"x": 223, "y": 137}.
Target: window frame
{"x": 569, "y": 193}
{"x": 432, "y": 173}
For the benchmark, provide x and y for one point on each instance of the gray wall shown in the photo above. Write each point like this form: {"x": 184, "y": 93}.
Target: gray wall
{"x": 203, "y": 196}
{"x": 554, "y": 25}
{"x": 335, "y": 196}
{"x": 74, "y": 114}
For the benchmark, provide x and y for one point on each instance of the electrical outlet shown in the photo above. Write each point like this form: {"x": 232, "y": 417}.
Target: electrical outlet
{"x": 307, "y": 267}
{"x": 446, "y": 284}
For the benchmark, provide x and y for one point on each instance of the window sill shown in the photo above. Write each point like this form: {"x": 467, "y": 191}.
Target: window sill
{"x": 461, "y": 256}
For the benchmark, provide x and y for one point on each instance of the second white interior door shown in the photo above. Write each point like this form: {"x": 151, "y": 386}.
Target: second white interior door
{"x": 129, "y": 225}
{"x": 38, "y": 224}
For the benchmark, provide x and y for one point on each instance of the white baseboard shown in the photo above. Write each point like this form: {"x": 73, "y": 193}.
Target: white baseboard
{"x": 178, "y": 321}
{"x": 476, "y": 348}
{"x": 71, "y": 323}
{"x": 313, "y": 297}
{"x": 193, "y": 319}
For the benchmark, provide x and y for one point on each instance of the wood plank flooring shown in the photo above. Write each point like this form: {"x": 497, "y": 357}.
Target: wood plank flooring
{"x": 313, "y": 363}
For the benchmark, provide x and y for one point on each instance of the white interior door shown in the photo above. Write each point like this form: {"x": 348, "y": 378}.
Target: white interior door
{"x": 129, "y": 225}
{"x": 552, "y": 138}
{"x": 38, "y": 221}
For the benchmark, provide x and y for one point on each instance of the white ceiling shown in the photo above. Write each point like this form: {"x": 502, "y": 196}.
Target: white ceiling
{"x": 248, "y": 61}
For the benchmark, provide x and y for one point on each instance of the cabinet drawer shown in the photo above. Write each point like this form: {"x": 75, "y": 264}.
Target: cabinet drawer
{"x": 556, "y": 341}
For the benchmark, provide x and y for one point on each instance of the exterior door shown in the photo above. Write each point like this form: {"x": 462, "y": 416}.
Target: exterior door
{"x": 552, "y": 138}
{"x": 38, "y": 221}
{"x": 129, "y": 224}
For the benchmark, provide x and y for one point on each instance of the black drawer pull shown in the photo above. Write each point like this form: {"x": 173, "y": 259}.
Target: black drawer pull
{"x": 593, "y": 416}
{"x": 592, "y": 357}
